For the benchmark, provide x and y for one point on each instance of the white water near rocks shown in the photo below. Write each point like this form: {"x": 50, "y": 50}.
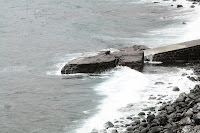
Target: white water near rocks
{"x": 39, "y": 37}
{"x": 127, "y": 87}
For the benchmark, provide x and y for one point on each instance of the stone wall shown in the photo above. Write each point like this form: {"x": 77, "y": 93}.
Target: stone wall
{"x": 189, "y": 54}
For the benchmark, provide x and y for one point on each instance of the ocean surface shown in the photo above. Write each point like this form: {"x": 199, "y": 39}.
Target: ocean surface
{"x": 37, "y": 37}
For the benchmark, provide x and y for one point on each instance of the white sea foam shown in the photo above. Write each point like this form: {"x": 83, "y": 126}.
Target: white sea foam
{"x": 61, "y": 61}
{"x": 129, "y": 87}
{"x": 86, "y": 111}
{"x": 119, "y": 90}
{"x": 14, "y": 69}
{"x": 193, "y": 27}
{"x": 176, "y": 32}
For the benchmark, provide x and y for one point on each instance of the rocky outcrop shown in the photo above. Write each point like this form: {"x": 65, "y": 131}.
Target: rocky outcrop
{"x": 132, "y": 57}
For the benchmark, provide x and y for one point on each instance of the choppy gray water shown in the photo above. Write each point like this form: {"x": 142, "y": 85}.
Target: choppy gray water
{"x": 38, "y": 36}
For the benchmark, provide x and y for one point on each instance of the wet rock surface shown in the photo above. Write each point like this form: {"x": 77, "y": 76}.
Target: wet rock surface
{"x": 175, "y": 88}
{"x": 132, "y": 57}
{"x": 178, "y": 6}
{"x": 180, "y": 116}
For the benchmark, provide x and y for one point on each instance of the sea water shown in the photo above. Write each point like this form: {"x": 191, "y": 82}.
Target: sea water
{"x": 39, "y": 37}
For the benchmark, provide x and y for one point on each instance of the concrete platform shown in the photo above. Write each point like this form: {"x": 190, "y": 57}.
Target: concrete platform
{"x": 175, "y": 53}
{"x": 132, "y": 57}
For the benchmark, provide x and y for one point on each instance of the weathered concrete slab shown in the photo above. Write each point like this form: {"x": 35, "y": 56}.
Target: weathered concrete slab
{"x": 130, "y": 56}
{"x": 132, "y": 59}
{"x": 176, "y": 53}
{"x": 134, "y": 48}
{"x": 93, "y": 64}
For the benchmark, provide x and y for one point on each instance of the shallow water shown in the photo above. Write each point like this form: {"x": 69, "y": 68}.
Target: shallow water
{"x": 39, "y": 37}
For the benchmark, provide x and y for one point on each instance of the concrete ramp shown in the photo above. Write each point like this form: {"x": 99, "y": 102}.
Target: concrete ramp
{"x": 175, "y": 53}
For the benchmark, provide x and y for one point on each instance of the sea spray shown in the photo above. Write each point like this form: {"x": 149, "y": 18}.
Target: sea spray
{"x": 61, "y": 61}
{"x": 120, "y": 89}
{"x": 127, "y": 92}
{"x": 193, "y": 27}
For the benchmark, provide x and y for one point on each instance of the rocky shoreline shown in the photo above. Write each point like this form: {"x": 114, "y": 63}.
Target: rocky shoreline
{"x": 181, "y": 116}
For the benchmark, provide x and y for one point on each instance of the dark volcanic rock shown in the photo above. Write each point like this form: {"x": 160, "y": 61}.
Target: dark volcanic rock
{"x": 108, "y": 125}
{"x": 162, "y": 120}
{"x": 180, "y": 116}
{"x": 130, "y": 128}
{"x": 131, "y": 57}
{"x": 197, "y": 119}
{"x": 178, "y": 6}
{"x": 141, "y": 113}
{"x": 156, "y": 129}
{"x": 143, "y": 124}
{"x": 145, "y": 130}
{"x": 150, "y": 118}
{"x": 175, "y": 88}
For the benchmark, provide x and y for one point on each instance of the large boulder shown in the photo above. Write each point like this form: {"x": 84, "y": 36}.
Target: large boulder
{"x": 132, "y": 57}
